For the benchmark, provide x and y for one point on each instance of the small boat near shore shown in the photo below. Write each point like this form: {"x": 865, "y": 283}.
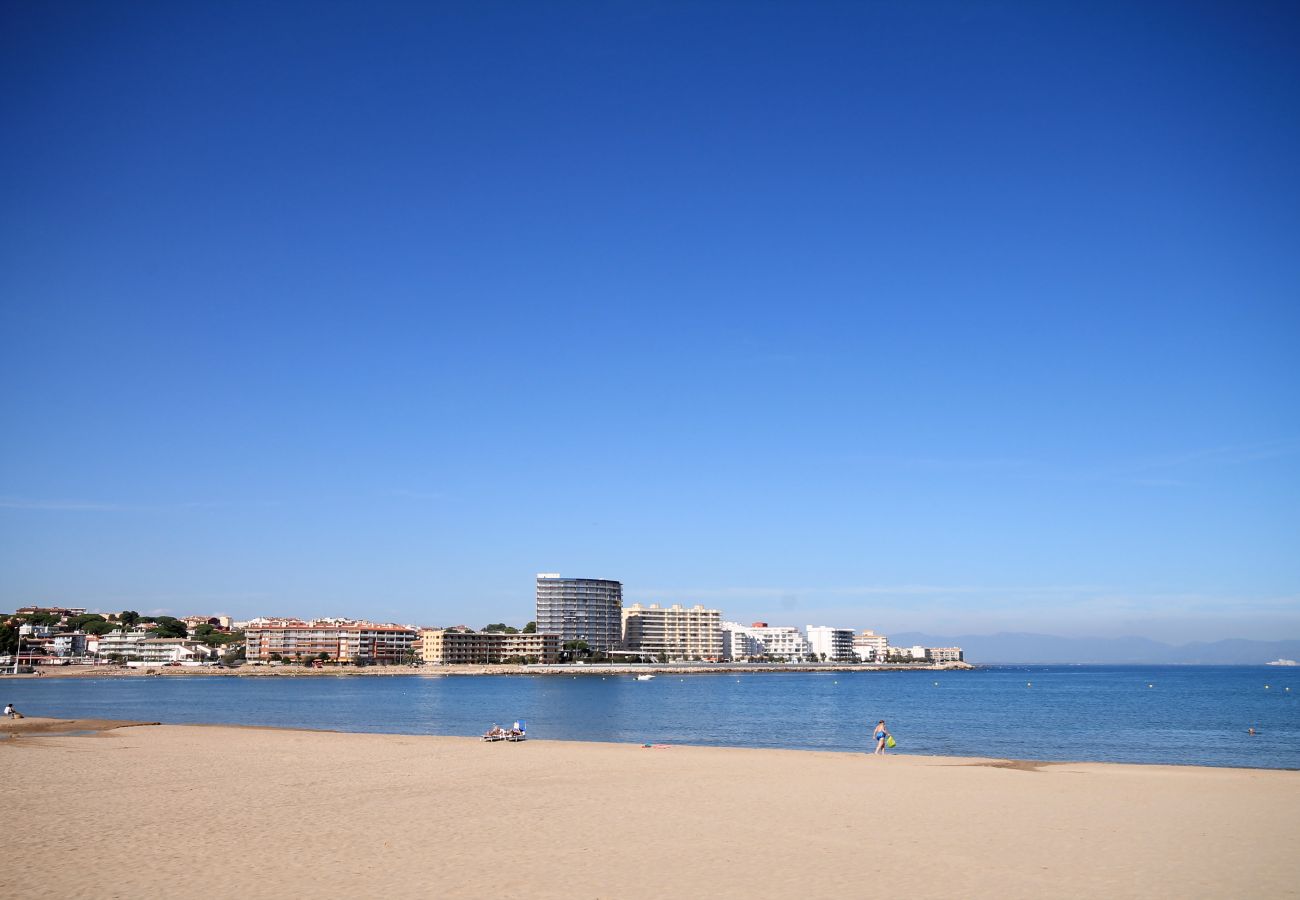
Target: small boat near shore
{"x": 1283, "y": 662}
{"x": 645, "y": 677}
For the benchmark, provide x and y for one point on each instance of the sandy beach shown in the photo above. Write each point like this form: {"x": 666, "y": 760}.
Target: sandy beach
{"x": 184, "y": 810}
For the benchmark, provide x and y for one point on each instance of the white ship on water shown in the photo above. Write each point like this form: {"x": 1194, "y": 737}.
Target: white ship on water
{"x": 1284, "y": 662}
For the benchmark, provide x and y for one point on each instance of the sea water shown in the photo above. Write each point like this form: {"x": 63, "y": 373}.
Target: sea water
{"x": 1192, "y": 715}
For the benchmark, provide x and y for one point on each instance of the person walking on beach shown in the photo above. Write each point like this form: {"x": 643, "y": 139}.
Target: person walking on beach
{"x": 882, "y": 735}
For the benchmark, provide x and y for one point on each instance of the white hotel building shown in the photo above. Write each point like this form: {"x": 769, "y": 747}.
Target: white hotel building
{"x": 760, "y": 639}
{"x": 831, "y": 644}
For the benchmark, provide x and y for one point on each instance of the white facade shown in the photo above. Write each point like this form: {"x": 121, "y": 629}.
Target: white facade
{"x": 738, "y": 643}
{"x": 774, "y": 642}
{"x": 166, "y": 650}
{"x": 905, "y": 653}
{"x": 72, "y": 644}
{"x": 831, "y": 644}
{"x": 870, "y": 647}
{"x": 122, "y": 643}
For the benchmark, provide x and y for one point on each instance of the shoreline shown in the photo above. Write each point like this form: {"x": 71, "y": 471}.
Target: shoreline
{"x": 472, "y": 669}
{"x": 371, "y": 814}
{"x": 64, "y": 727}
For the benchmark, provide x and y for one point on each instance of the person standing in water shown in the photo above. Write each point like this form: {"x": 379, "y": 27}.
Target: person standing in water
{"x": 882, "y": 735}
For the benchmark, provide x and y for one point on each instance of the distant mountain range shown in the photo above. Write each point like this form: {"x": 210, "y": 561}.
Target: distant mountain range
{"x": 1008, "y": 647}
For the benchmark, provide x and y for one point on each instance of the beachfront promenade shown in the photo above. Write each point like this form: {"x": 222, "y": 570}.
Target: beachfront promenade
{"x": 557, "y": 669}
{"x": 259, "y": 812}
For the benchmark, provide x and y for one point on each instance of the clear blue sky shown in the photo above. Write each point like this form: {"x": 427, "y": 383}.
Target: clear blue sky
{"x": 947, "y": 316}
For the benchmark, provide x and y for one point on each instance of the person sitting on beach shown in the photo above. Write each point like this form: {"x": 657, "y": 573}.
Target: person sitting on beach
{"x": 882, "y": 735}
{"x": 11, "y": 713}
{"x": 495, "y": 731}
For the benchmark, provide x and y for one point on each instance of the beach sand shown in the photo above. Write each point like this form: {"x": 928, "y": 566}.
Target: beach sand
{"x": 176, "y": 811}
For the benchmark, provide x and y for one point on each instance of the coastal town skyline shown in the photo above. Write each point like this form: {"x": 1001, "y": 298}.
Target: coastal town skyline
{"x": 912, "y": 609}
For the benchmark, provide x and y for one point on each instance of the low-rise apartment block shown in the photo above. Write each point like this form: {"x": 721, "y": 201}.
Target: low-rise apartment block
{"x": 169, "y": 650}
{"x": 222, "y": 622}
{"x": 63, "y": 612}
{"x": 773, "y": 642}
{"x": 674, "y": 631}
{"x": 125, "y": 644}
{"x": 340, "y": 640}
{"x": 870, "y": 647}
{"x": 70, "y": 644}
{"x": 453, "y": 646}
{"x": 945, "y": 654}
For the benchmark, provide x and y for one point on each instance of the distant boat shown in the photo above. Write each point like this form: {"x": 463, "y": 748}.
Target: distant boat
{"x": 1284, "y": 662}
{"x": 648, "y": 677}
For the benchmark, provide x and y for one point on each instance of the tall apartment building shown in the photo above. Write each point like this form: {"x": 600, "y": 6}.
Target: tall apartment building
{"x": 832, "y": 644}
{"x": 775, "y": 642}
{"x": 680, "y": 633}
{"x": 870, "y": 647}
{"x": 451, "y": 646}
{"x": 581, "y": 609}
{"x": 342, "y": 641}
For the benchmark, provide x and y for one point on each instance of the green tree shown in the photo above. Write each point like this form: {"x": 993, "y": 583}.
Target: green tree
{"x": 8, "y": 638}
{"x": 501, "y": 627}
{"x": 103, "y": 626}
{"x": 530, "y": 628}
{"x": 79, "y": 623}
{"x": 168, "y": 626}
{"x": 128, "y": 617}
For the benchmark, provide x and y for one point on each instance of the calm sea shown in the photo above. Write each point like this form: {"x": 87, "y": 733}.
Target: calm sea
{"x": 1162, "y": 714}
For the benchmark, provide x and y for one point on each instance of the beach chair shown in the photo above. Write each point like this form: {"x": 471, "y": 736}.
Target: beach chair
{"x": 518, "y": 735}
{"x": 496, "y": 735}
